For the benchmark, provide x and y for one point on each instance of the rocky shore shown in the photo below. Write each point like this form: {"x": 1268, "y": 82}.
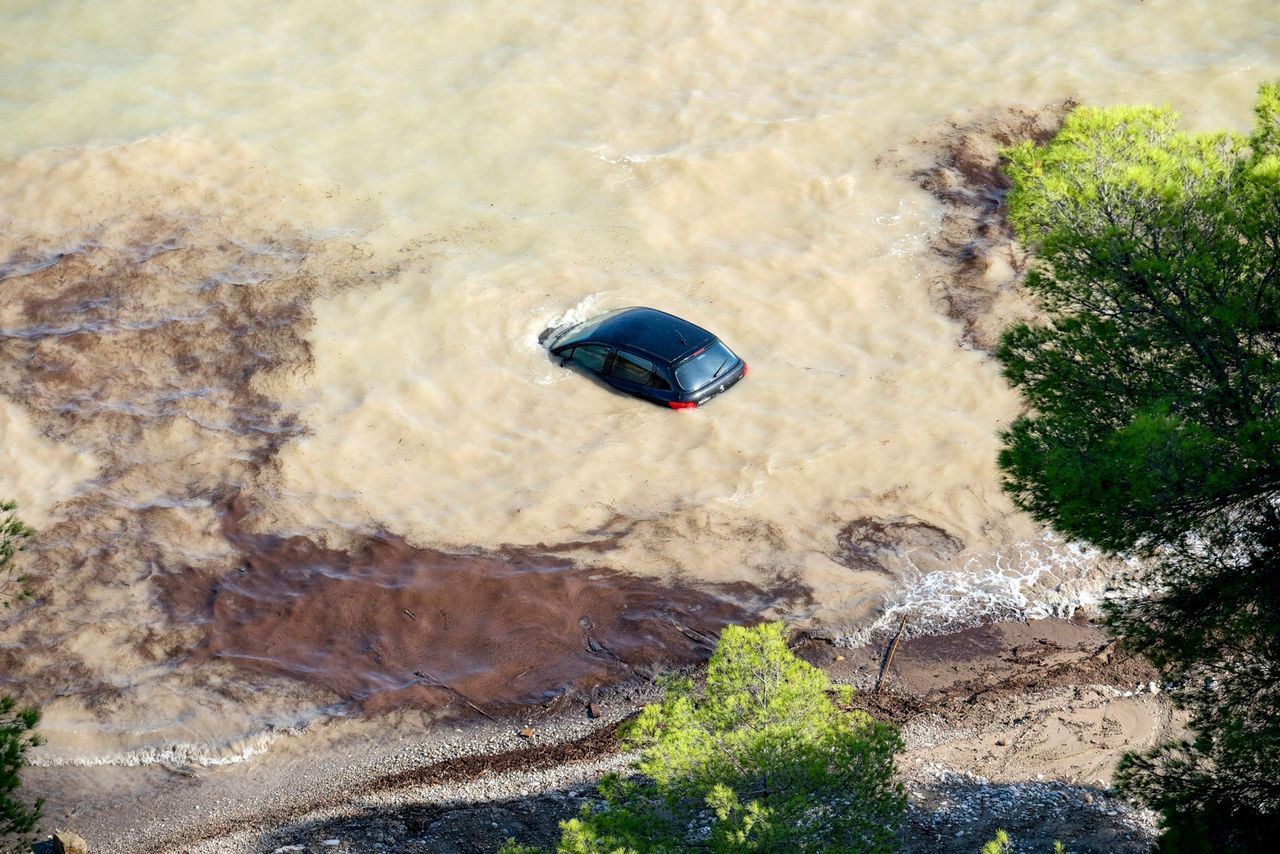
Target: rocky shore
{"x": 1010, "y": 725}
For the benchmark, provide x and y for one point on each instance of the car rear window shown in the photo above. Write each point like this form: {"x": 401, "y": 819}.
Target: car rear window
{"x": 701, "y": 368}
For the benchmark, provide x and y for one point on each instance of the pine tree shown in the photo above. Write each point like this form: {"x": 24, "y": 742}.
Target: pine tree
{"x": 766, "y": 760}
{"x": 17, "y": 820}
{"x": 1153, "y": 427}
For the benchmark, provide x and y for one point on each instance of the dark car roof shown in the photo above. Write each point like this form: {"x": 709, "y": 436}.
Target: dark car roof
{"x": 657, "y": 333}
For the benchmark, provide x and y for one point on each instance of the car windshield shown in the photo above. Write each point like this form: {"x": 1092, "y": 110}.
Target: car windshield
{"x": 583, "y": 330}
{"x": 702, "y": 368}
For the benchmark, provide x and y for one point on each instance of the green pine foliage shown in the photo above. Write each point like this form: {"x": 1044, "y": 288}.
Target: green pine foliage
{"x": 18, "y": 820}
{"x": 1215, "y": 630}
{"x": 1000, "y": 845}
{"x": 13, "y": 534}
{"x": 1003, "y": 844}
{"x": 1152, "y": 386}
{"x": 1153, "y": 426}
{"x": 17, "y": 726}
{"x": 765, "y": 760}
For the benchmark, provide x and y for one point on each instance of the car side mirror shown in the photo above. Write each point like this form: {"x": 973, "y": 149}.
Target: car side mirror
{"x": 564, "y": 360}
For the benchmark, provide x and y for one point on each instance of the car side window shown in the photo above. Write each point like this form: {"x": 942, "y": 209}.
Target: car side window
{"x": 590, "y": 356}
{"x": 632, "y": 368}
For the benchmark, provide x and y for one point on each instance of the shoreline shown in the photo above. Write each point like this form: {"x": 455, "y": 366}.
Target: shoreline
{"x": 1007, "y": 725}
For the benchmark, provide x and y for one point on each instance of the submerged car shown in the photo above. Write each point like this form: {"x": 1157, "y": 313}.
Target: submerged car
{"x": 651, "y": 354}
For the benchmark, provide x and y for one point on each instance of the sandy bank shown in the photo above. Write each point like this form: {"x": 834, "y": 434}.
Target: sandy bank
{"x": 1007, "y": 725}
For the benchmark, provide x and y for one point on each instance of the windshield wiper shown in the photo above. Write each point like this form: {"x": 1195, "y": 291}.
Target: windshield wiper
{"x": 719, "y": 369}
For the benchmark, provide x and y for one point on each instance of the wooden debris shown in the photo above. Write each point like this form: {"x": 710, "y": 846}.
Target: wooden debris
{"x": 473, "y": 705}
{"x": 888, "y": 658}
{"x": 431, "y": 680}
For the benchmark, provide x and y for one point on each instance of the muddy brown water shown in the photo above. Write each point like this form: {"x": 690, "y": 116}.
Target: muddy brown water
{"x": 301, "y": 252}
{"x": 384, "y": 625}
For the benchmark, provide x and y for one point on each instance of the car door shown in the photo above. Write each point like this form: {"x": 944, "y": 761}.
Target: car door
{"x": 589, "y": 357}
{"x": 634, "y": 374}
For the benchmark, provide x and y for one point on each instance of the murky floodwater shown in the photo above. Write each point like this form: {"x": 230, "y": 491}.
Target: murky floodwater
{"x": 298, "y": 255}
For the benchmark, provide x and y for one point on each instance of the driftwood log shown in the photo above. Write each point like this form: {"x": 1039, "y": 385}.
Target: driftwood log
{"x": 887, "y": 661}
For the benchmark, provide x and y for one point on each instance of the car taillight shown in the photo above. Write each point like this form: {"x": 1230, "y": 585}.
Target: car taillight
{"x": 675, "y": 404}
{"x": 746, "y": 369}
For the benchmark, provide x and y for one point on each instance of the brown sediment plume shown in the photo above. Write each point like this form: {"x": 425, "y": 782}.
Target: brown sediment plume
{"x": 884, "y": 545}
{"x": 386, "y": 625}
{"x": 151, "y": 293}
{"x": 958, "y": 162}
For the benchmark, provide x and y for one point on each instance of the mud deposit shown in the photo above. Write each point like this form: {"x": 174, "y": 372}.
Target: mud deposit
{"x": 959, "y": 163}
{"x": 145, "y": 314}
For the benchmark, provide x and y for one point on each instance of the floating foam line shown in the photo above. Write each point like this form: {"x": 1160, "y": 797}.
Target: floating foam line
{"x": 215, "y": 755}
{"x": 1029, "y": 580}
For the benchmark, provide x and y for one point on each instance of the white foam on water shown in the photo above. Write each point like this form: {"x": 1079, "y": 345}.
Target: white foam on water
{"x": 1027, "y": 580}
{"x": 179, "y": 754}
{"x": 212, "y": 753}
{"x": 584, "y": 309}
